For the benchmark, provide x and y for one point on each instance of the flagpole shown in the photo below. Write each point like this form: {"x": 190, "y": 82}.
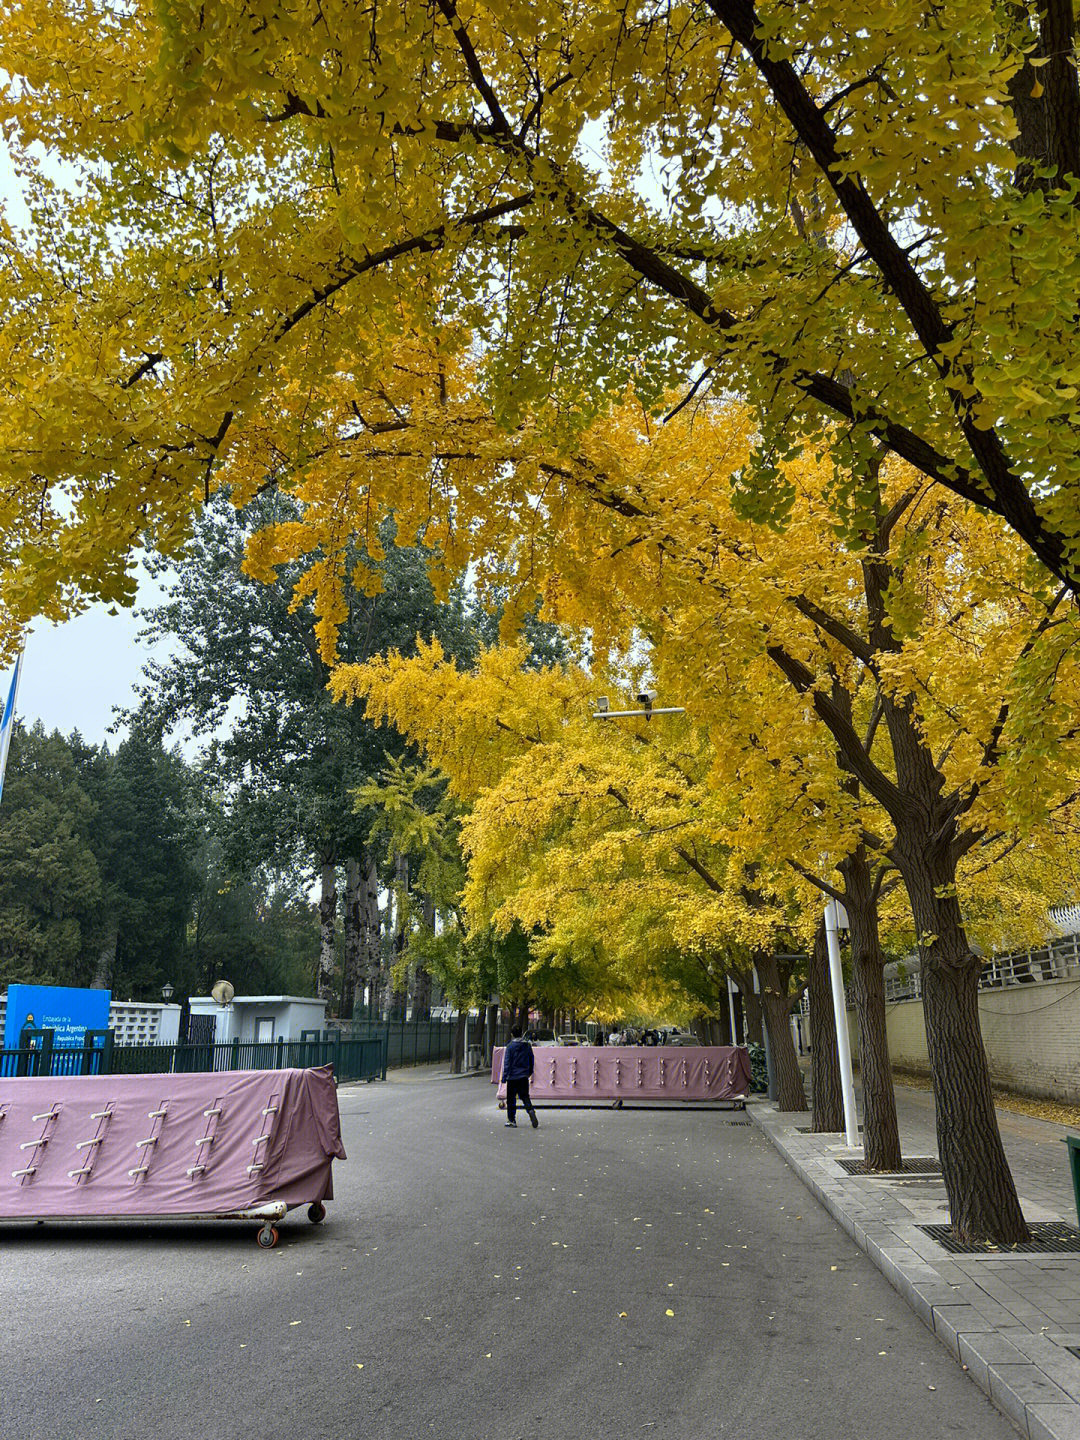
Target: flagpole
{"x": 7, "y": 719}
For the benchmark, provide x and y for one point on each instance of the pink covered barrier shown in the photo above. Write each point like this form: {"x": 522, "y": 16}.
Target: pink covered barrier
{"x": 244, "y": 1144}
{"x": 589, "y": 1074}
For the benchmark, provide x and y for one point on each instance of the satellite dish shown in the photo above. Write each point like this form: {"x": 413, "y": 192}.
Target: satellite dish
{"x": 223, "y": 992}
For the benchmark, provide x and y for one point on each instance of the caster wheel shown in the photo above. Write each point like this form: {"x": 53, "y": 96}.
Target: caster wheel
{"x": 502, "y": 1104}
{"x": 317, "y": 1213}
{"x": 267, "y": 1237}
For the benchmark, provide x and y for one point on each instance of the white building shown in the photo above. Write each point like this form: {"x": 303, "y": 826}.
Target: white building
{"x": 260, "y": 1019}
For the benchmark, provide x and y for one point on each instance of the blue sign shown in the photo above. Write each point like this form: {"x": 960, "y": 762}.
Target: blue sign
{"x": 61, "y": 1008}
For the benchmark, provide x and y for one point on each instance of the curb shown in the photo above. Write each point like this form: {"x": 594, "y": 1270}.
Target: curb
{"x": 1032, "y": 1380}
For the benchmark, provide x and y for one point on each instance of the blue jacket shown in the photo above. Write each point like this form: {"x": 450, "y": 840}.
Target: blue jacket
{"x": 517, "y": 1061}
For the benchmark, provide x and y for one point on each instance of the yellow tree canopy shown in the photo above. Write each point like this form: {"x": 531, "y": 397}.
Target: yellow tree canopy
{"x": 609, "y": 844}
{"x": 856, "y": 216}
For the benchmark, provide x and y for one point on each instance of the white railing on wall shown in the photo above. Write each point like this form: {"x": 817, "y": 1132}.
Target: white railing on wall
{"x": 1056, "y": 960}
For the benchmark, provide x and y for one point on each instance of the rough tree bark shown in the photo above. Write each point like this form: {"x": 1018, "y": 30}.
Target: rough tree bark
{"x": 324, "y": 979}
{"x": 457, "y": 1054}
{"x": 983, "y": 1203}
{"x": 353, "y": 938}
{"x": 106, "y": 959}
{"x": 881, "y": 1134}
{"x": 752, "y": 1021}
{"x": 776, "y": 1007}
{"x": 399, "y": 997}
{"x": 371, "y": 955}
{"x": 421, "y": 994}
{"x": 826, "y": 1096}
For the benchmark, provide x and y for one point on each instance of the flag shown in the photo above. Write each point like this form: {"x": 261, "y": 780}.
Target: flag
{"x": 7, "y": 721}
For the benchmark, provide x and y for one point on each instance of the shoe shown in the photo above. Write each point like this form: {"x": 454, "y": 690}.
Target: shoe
{"x": 511, "y": 1125}
{"x": 535, "y": 1122}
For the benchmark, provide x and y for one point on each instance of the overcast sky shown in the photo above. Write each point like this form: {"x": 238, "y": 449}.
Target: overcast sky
{"x": 74, "y": 675}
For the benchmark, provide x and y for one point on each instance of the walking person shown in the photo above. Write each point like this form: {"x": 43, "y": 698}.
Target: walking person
{"x": 516, "y": 1070}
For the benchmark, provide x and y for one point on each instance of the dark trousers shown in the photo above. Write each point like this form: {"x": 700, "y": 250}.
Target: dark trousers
{"x": 518, "y": 1089}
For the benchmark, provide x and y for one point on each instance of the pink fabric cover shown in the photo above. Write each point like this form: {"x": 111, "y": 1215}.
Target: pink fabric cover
{"x": 283, "y": 1124}
{"x": 634, "y": 1072}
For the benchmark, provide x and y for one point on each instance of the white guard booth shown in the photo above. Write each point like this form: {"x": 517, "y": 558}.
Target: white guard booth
{"x": 261, "y": 1019}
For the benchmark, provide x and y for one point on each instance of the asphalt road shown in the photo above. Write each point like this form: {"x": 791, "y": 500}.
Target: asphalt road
{"x": 614, "y": 1274}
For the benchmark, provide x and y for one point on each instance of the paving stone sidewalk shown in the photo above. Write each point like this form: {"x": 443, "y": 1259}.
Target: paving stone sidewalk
{"x": 1009, "y": 1318}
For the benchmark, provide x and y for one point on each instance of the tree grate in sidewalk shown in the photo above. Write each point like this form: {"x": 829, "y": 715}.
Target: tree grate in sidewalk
{"x": 927, "y": 1166}
{"x": 1048, "y": 1237}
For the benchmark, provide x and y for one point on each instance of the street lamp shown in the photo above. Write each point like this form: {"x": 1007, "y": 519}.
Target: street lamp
{"x": 166, "y": 992}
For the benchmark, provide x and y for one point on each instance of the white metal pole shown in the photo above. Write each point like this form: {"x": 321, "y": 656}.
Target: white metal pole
{"x": 5, "y": 739}
{"x": 843, "y": 1045}
{"x": 731, "y": 1008}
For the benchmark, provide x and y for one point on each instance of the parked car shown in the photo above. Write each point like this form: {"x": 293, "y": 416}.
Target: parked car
{"x": 573, "y": 1040}
{"x": 540, "y": 1038}
{"x": 681, "y": 1037}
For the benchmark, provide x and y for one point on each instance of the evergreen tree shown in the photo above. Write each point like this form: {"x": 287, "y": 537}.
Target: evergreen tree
{"x": 50, "y": 883}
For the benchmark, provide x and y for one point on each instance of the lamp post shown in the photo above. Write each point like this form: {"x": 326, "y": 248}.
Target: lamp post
{"x": 167, "y": 992}
{"x": 835, "y": 918}
{"x": 731, "y": 1008}
{"x": 604, "y": 711}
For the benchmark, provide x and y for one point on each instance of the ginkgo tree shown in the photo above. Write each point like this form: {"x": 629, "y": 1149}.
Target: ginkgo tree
{"x": 896, "y": 633}
{"x": 589, "y": 838}
{"x": 860, "y": 218}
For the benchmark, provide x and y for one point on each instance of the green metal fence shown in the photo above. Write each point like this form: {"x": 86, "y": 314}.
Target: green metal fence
{"x": 409, "y": 1042}
{"x": 353, "y": 1057}
{"x": 360, "y": 1051}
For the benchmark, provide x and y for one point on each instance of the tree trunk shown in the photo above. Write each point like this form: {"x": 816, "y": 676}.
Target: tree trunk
{"x": 353, "y": 938}
{"x": 457, "y": 1055}
{"x": 752, "y": 1026}
{"x": 421, "y": 994}
{"x": 106, "y": 960}
{"x": 324, "y": 980}
{"x": 371, "y": 953}
{"x": 477, "y": 1027}
{"x": 775, "y": 1005}
{"x": 881, "y": 1134}
{"x": 399, "y": 996}
{"x": 826, "y": 1095}
{"x": 983, "y": 1204}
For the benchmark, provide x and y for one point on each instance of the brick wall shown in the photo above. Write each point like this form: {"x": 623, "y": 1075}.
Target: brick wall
{"x": 1031, "y": 1033}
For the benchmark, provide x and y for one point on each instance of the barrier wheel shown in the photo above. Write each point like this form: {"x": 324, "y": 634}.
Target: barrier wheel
{"x": 267, "y": 1237}
{"x": 316, "y": 1213}
{"x": 502, "y": 1104}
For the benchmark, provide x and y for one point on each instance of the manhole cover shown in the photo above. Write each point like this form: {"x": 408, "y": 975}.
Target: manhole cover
{"x": 1048, "y": 1237}
{"x": 921, "y": 1166}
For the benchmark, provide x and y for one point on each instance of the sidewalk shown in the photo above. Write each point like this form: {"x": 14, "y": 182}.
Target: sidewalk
{"x": 1008, "y": 1317}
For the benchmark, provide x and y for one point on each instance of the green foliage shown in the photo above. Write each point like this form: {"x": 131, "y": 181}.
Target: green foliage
{"x": 50, "y": 884}
{"x": 113, "y": 870}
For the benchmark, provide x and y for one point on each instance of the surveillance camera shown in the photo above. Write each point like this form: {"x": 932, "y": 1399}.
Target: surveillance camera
{"x": 602, "y": 703}
{"x": 646, "y": 698}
